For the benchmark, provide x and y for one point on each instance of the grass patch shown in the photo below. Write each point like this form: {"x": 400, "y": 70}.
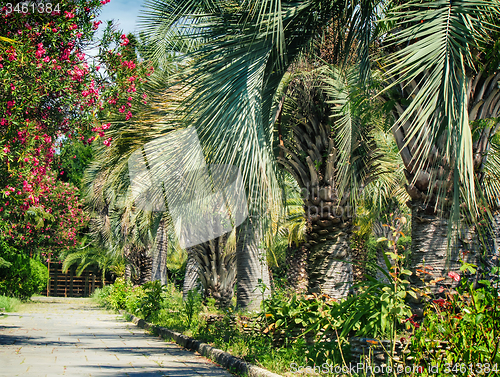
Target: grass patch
{"x": 10, "y": 304}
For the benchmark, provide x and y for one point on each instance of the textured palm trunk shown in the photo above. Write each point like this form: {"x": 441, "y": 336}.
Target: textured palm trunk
{"x": 496, "y": 236}
{"x": 160, "y": 254}
{"x": 252, "y": 273}
{"x": 191, "y": 279}
{"x": 434, "y": 247}
{"x": 128, "y": 272}
{"x": 216, "y": 269}
{"x": 434, "y": 182}
{"x": 329, "y": 261}
{"x": 139, "y": 265}
{"x": 311, "y": 157}
{"x": 296, "y": 275}
{"x": 145, "y": 267}
{"x": 491, "y": 258}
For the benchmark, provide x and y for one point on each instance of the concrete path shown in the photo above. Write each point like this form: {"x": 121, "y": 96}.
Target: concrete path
{"x": 73, "y": 337}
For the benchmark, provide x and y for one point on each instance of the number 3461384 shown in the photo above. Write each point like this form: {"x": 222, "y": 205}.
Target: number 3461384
{"x": 30, "y": 7}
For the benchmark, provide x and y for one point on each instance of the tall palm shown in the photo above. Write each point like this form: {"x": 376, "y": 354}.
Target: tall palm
{"x": 329, "y": 153}
{"x": 443, "y": 82}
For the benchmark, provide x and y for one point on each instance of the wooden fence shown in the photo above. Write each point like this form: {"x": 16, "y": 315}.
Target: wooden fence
{"x": 69, "y": 285}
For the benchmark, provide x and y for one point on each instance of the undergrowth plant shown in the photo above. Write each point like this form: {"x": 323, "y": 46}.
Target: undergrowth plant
{"x": 467, "y": 322}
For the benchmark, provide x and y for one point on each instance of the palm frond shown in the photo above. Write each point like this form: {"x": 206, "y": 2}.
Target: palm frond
{"x": 432, "y": 56}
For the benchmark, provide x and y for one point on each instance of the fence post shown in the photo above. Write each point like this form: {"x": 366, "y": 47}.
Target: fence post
{"x": 71, "y": 283}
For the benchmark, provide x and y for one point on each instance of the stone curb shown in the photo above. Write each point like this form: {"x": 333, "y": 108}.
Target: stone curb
{"x": 225, "y": 359}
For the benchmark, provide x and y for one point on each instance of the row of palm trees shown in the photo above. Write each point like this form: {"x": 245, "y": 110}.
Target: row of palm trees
{"x": 248, "y": 79}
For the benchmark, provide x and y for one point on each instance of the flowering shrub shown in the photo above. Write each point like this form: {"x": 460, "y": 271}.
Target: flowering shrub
{"x": 52, "y": 93}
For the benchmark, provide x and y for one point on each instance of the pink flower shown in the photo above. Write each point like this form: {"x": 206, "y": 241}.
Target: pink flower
{"x": 46, "y": 59}
{"x": 454, "y": 276}
{"x": 73, "y": 27}
{"x": 129, "y": 115}
{"x": 68, "y": 15}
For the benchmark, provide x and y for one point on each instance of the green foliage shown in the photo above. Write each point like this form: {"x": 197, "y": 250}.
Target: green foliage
{"x": 151, "y": 302}
{"x": 73, "y": 159}
{"x": 115, "y": 296}
{"x": 468, "y": 321}
{"x": 39, "y": 275}
{"x": 21, "y": 275}
{"x": 373, "y": 246}
{"x": 10, "y": 304}
{"x": 192, "y": 304}
{"x": 299, "y": 322}
{"x": 93, "y": 257}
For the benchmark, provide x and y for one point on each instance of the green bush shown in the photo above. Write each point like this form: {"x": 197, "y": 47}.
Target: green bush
{"x": 115, "y": 296}
{"x": 134, "y": 298}
{"x": 151, "y": 302}
{"x": 10, "y": 304}
{"x": 39, "y": 275}
{"x": 21, "y": 276}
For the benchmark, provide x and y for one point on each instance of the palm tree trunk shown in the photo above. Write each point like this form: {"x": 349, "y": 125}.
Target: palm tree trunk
{"x": 296, "y": 275}
{"x": 491, "y": 257}
{"x": 160, "y": 255}
{"x": 496, "y": 237}
{"x": 145, "y": 267}
{"x": 435, "y": 249}
{"x": 217, "y": 269}
{"x": 191, "y": 279}
{"x": 252, "y": 274}
{"x": 128, "y": 272}
{"x": 329, "y": 262}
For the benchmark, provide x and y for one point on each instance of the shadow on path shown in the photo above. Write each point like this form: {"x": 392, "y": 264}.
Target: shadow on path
{"x": 73, "y": 337}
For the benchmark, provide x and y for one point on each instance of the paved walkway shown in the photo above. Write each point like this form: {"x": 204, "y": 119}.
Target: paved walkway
{"x": 73, "y": 337}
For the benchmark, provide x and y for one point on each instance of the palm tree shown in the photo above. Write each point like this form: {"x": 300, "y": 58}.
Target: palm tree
{"x": 330, "y": 156}
{"x": 160, "y": 253}
{"x": 443, "y": 83}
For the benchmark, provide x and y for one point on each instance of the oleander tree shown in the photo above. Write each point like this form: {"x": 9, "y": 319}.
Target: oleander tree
{"x": 53, "y": 93}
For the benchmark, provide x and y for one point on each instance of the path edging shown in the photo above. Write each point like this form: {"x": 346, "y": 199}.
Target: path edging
{"x": 225, "y": 359}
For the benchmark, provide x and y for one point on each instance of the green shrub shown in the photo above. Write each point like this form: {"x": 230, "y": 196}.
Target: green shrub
{"x": 101, "y": 294}
{"x": 10, "y": 304}
{"x": 23, "y": 276}
{"x": 39, "y": 275}
{"x": 134, "y": 298}
{"x": 173, "y": 315}
{"x": 151, "y": 302}
{"x": 115, "y": 296}
{"x": 192, "y": 305}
